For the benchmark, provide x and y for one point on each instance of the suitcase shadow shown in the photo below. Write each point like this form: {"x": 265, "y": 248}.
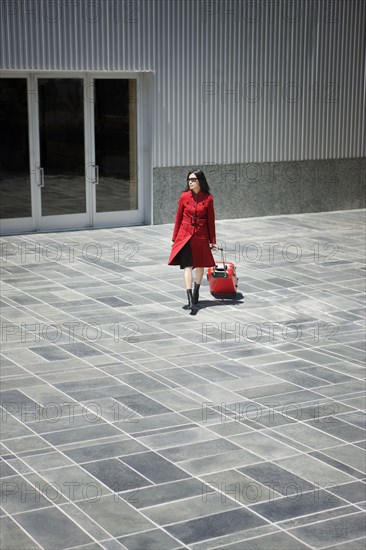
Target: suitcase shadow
{"x": 218, "y": 302}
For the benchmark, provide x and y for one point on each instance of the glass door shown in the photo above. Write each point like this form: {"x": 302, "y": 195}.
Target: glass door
{"x": 61, "y": 162}
{"x": 15, "y": 172}
{"x": 114, "y": 114}
{"x": 68, "y": 152}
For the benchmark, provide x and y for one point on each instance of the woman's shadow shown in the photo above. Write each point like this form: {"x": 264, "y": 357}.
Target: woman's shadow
{"x": 219, "y": 301}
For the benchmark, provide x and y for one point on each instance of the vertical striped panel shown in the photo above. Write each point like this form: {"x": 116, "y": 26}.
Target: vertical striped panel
{"x": 234, "y": 81}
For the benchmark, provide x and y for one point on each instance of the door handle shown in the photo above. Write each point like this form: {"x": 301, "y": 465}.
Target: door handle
{"x": 96, "y": 174}
{"x": 41, "y": 173}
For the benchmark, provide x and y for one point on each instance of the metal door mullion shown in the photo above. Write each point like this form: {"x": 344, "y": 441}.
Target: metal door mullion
{"x": 89, "y": 147}
{"x": 34, "y": 150}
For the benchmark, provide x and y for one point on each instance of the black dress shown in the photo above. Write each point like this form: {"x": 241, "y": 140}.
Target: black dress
{"x": 185, "y": 258}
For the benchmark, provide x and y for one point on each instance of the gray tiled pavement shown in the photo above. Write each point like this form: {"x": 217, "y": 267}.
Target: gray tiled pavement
{"x": 128, "y": 423}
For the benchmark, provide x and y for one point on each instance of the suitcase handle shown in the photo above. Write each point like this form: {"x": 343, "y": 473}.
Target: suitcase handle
{"x": 222, "y": 253}
{"x": 219, "y": 269}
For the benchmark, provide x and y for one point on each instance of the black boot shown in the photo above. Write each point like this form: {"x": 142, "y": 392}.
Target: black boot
{"x": 190, "y": 302}
{"x": 190, "y": 298}
{"x": 196, "y": 293}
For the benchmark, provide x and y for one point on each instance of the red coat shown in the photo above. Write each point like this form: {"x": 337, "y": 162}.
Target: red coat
{"x": 194, "y": 222}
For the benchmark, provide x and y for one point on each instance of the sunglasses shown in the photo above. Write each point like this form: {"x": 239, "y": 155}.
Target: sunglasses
{"x": 192, "y": 179}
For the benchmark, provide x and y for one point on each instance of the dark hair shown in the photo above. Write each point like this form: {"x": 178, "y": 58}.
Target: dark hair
{"x": 201, "y": 178}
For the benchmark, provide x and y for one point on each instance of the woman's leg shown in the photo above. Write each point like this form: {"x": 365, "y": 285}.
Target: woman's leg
{"x": 188, "y": 284}
{"x": 197, "y": 284}
{"x": 188, "y": 277}
{"x": 199, "y": 274}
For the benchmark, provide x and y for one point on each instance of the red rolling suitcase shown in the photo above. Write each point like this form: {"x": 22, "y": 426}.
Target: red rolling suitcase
{"x": 222, "y": 279}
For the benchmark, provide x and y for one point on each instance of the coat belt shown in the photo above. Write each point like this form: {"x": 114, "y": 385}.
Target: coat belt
{"x": 194, "y": 221}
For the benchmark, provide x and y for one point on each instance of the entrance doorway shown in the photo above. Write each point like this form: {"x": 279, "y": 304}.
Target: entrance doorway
{"x": 68, "y": 152}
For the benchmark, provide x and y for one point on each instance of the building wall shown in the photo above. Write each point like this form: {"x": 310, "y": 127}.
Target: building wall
{"x": 268, "y": 188}
{"x": 235, "y": 81}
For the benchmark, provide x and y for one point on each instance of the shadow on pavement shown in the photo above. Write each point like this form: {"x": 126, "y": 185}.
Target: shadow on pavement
{"x": 218, "y": 302}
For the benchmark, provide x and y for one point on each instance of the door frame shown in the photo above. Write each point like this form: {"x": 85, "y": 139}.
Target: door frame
{"x": 144, "y": 114}
{"x": 81, "y": 220}
{"x": 26, "y": 224}
{"x": 111, "y": 219}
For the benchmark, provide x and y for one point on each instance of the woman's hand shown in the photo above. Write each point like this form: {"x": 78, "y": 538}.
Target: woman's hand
{"x": 214, "y": 247}
{"x": 172, "y": 243}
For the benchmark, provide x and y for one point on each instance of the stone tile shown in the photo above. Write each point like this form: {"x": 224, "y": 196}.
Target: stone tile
{"x": 353, "y": 492}
{"x": 142, "y": 382}
{"x": 52, "y": 529}
{"x": 356, "y": 402}
{"x": 206, "y": 414}
{"x": 114, "y": 474}
{"x": 142, "y": 405}
{"x": 86, "y": 382}
{"x": 356, "y": 418}
{"x": 84, "y": 521}
{"x": 85, "y": 433}
{"x": 181, "y": 377}
{"x": 28, "y": 445}
{"x": 277, "y": 479}
{"x": 318, "y": 412}
{"x": 337, "y": 464}
{"x": 115, "y": 516}
{"x": 337, "y": 428}
{"x": 173, "y": 399}
{"x": 90, "y": 452}
{"x": 327, "y": 374}
{"x": 269, "y": 390}
{"x": 232, "y": 459}
{"x": 46, "y": 461}
{"x": 179, "y": 437}
{"x": 135, "y": 426}
{"x": 214, "y": 526}
{"x": 268, "y": 418}
{"x": 198, "y": 449}
{"x": 213, "y": 392}
{"x": 6, "y": 470}
{"x": 80, "y": 349}
{"x": 302, "y": 378}
{"x": 210, "y": 373}
{"x": 154, "y": 540}
{"x": 309, "y": 434}
{"x": 16, "y": 404}
{"x": 50, "y": 353}
{"x": 18, "y": 495}
{"x": 314, "y": 471}
{"x": 320, "y": 516}
{"x": 358, "y": 544}
{"x": 272, "y": 541}
{"x": 240, "y": 536}
{"x": 234, "y": 485}
{"x": 50, "y": 420}
{"x": 229, "y": 428}
{"x": 263, "y": 446}
{"x": 284, "y": 508}
{"x": 154, "y": 467}
{"x": 249, "y": 381}
{"x": 195, "y": 507}
{"x": 92, "y": 546}
{"x": 344, "y": 389}
{"x": 280, "y": 366}
{"x": 286, "y": 399}
{"x": 12, "y": 537}
{"x": 333, "y": 531}
{"x": 166, "y": 492}
{"x": 348, "y": 454}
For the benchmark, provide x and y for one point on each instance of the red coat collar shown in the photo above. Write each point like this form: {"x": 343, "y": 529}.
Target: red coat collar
{"x": 199, "y": 195}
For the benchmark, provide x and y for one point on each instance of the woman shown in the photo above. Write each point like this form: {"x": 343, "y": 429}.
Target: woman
{"x": 193, "y": 233}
